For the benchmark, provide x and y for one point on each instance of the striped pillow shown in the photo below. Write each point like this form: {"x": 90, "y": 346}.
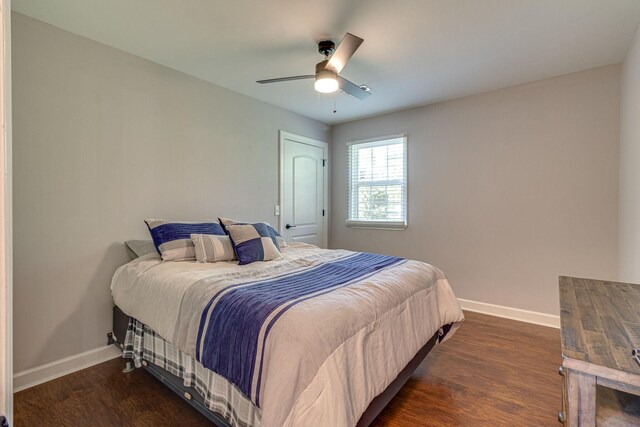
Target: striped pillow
{"x": 225, "y": 222}
{"x": 211, "y": 248}
{"x": 173, "y": 238}
{"x": 253, "y": 242}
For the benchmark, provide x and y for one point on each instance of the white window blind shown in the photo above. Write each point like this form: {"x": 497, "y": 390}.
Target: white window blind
{"x": 378, "y": 183}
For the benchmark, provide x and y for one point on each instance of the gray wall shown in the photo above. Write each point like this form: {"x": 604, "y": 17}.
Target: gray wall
{"x": 102, "y": 140}
{"x": 629, "y": 230}
{"x": 507, "y": 189}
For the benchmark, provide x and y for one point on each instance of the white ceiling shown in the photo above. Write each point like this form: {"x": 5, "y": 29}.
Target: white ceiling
{"x": 415, "y": 52}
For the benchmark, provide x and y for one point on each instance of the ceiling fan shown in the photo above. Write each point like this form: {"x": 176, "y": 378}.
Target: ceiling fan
{"x": 327, "y": 74}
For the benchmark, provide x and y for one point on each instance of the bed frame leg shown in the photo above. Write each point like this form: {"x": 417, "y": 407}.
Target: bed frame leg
{"x": 128, "y": 367}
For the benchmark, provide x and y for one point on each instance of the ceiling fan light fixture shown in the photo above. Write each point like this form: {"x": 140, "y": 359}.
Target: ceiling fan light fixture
{"x": 327, "y": 78}
{"x": 326, "y": 81}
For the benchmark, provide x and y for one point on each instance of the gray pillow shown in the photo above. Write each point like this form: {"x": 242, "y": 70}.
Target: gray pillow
{"x": 137, "y": 248}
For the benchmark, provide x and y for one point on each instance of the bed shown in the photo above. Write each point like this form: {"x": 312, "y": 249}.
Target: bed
{"x": 318, "y": 337}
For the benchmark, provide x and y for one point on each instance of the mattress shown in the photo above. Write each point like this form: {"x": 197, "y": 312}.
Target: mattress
{"x": 309, "y": 339}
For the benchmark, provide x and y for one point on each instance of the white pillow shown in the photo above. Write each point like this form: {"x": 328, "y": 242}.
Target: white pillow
{"x": 213, "y": 248}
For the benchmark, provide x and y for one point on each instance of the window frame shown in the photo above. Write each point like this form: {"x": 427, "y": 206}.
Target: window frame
{"x": 373, "y": 224}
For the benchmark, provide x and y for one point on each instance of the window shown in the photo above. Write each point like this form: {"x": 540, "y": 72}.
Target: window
{"x": 378, "y": 183}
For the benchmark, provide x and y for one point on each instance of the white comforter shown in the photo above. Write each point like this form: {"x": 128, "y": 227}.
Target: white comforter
{"x": 326, "y": 357}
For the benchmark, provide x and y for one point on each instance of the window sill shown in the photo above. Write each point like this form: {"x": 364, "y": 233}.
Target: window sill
{"x": 377, "y": 225}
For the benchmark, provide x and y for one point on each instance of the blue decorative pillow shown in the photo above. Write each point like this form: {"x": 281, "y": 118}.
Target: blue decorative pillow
{"x": 280, "y": 242}
{"x": 173, "y": 238}
{"x": 253, "y": 242}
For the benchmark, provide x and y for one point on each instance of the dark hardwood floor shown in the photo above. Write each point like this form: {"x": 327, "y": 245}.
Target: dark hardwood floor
{"x": 492, "y": 372}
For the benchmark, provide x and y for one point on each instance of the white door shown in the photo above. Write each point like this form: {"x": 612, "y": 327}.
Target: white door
{"x": 303, "y": 180}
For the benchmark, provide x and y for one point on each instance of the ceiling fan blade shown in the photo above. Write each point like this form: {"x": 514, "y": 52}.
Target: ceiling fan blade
{"x": 344, "y": 51}
{"x": 286, "y": 79}
{"x": 352, "y": 89}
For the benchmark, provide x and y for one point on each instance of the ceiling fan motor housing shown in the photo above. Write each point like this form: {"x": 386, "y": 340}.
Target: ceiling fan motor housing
{"x": 321, "y": 66}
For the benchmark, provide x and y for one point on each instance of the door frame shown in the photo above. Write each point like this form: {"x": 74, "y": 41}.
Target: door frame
{"x": 284, "y": 135}
{"x": 6, "y": 215}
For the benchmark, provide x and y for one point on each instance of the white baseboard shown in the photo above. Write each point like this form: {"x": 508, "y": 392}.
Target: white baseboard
{"x": 41, "y": 374}
{"x": 535, "y": 317}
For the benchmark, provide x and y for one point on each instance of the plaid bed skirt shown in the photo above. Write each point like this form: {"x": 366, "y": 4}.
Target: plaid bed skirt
{"x": 219, "y": 395}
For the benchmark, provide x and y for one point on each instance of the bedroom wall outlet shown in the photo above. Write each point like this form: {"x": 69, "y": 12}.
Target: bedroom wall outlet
{"x": 276, "y": 210}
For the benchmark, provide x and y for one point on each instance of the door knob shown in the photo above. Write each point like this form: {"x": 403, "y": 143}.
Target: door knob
{"x": 288, "y": 226}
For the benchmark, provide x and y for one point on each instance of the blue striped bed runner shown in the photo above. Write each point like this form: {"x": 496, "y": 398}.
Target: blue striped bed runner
{"x": 229, "y": 329}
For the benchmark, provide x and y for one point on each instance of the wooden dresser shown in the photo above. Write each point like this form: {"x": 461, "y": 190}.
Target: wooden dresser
{"x": 600, "y": 324}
